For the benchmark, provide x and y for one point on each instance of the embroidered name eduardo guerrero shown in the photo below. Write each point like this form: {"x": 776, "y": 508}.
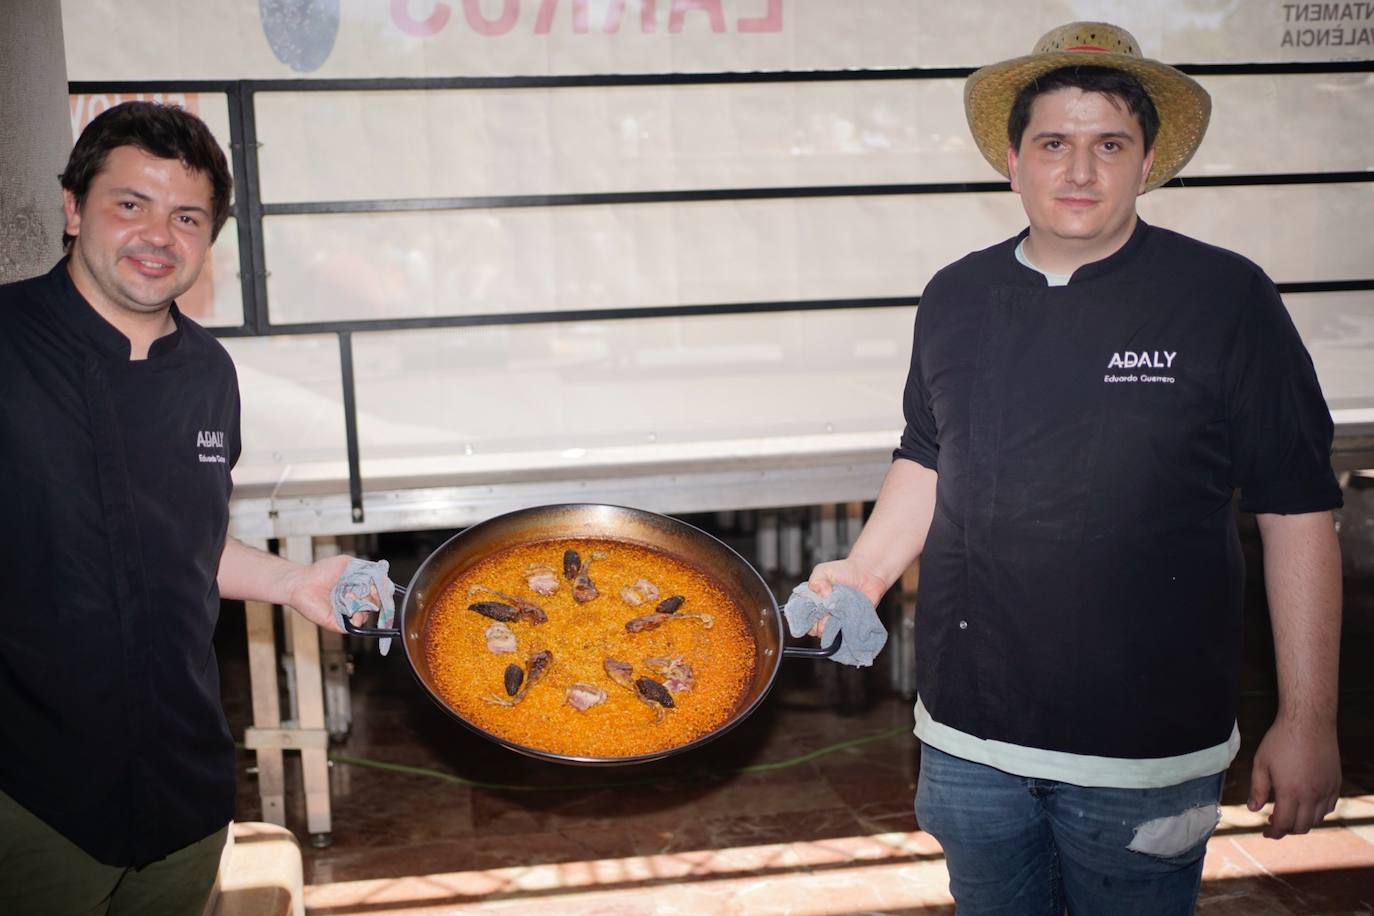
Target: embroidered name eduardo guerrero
{"x": 1116, "y": 379}
{"x": 1140, "y": 359}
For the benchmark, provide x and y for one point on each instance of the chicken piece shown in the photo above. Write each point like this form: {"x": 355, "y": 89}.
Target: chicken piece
{"x": 620, "y": 672}
{"x": 677, "y": 675}
{"x": 583, "y": 697}
{"x": 500, "y": 639}
{"x": 642, "y": 591}
{"x": 538, "y": 664}
{"x": 584, "y": 589}
{"x": 542, "y": 580}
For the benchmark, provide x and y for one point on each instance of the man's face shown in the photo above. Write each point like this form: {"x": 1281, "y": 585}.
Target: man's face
{"x": 142, "y": 232}
{"x": 1081, "y": 164}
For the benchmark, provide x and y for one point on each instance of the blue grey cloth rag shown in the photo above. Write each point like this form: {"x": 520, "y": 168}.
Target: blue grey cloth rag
{"x": 364, "y": 586}
{"x": 851, "y": 613}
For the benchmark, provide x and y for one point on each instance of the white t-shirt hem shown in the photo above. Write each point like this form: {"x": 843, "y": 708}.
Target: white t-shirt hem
{"x": 1077, "y": 769}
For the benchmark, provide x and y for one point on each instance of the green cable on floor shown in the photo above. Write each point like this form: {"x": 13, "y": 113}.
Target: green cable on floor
{"x": 755, "y": 768}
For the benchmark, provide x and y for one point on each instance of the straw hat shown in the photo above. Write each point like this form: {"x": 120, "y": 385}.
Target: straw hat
{"x": 1183, "y": 105}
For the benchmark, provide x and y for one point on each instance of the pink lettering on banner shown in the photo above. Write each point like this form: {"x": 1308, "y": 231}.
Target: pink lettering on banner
{"x": 85, "y": 107}
{"x": 615, "y": 11}
{"x": 483, "y": 20}
{"x": 544, "y": 22}
{"x": 770, "y": 21}
{"x": 648, "y": 16}
{"x": 510, "y": 12}
{"x": 423, "y": 28}
{"x": 710, "y": 7}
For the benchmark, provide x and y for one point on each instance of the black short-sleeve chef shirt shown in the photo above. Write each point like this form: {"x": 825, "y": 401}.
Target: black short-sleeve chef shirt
{"x": 1081, "y": 584}
{"x": 115, "y": 479}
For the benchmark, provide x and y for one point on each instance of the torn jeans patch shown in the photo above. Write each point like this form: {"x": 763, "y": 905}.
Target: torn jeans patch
{"x": 1173, "y": 835}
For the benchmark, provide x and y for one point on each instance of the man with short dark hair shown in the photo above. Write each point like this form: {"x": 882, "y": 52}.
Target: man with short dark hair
{"x": 119, "y": 426}
{"x": 1084, "y": 399}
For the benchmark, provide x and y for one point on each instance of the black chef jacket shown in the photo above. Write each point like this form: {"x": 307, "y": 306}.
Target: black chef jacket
{"x": 1082, "y": 580}
{"x": 114, "y": 478}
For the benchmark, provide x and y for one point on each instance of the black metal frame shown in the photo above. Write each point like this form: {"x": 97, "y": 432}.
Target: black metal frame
{"x": 249, "y": 210}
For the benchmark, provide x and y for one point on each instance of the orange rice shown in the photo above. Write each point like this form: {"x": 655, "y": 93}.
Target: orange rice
{"x": 581, "y": 637}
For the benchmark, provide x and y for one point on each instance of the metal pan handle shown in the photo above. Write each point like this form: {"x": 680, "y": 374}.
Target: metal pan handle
{"x": 376, "y": 632}
{"x": 824, "y": 652}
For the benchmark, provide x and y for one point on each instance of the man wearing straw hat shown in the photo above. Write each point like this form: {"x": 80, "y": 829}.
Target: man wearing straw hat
{"x": 1084, "y": 399}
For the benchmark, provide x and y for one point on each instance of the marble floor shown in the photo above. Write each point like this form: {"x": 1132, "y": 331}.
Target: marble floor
{"x": 806, "y": 808}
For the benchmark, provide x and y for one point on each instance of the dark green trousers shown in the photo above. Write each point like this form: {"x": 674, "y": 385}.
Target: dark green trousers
{"x": 42, "y": 873}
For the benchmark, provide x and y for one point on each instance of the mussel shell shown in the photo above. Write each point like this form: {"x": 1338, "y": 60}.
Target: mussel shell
{"x": 495, "y": 610}
{"x": 654, "y": 692}
{"x": 513, "y": 677}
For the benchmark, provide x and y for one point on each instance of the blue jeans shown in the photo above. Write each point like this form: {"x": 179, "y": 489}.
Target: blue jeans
{"x": 1023, "y": 847}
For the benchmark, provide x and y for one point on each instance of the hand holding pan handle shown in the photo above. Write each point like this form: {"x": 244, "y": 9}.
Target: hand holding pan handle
{"x": 823, "y": 652}
{"x": 375, "y": 632}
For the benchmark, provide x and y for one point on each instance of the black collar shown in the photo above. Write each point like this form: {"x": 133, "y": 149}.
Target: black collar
{"x": 1092, "y": 269}
{"x": 91, "y": 327}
